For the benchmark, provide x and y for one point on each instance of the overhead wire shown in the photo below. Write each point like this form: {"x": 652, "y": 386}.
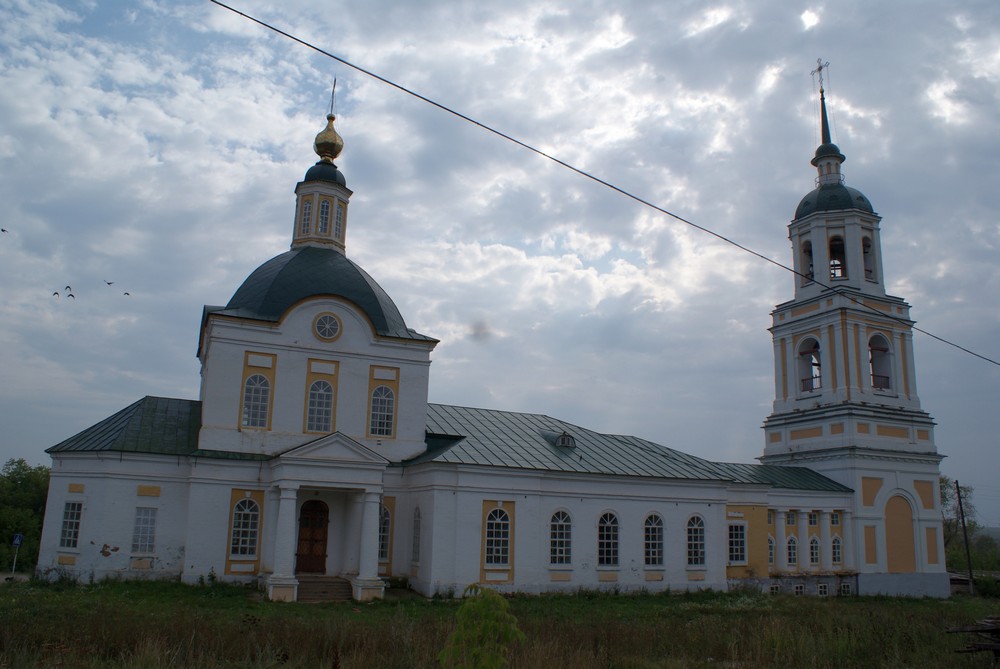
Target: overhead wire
{"x": 856, "y": 300}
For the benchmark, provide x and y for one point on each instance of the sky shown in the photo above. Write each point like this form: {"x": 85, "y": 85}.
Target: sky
{"x": 152, "y": 148}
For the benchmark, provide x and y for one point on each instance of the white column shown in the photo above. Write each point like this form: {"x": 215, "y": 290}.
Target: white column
{"x": 851, "y": 545}
{"x": 368, "y": 541}
{"x": 825, "y": 558}
{"x": 780, "y": 550}
{"x": 285, "y": 532}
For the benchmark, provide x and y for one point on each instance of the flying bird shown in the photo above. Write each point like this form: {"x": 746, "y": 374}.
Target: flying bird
{"x": 108, "y": 282}
{"x": 55, "y": 294}
{"x": 3, "y": 229}
{"x": 68, "y": 289}
{"x": 126, "y": 293}
{"x": 71, "y": 295}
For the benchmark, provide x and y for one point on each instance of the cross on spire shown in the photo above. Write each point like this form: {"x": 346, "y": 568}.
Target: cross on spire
{"x": 820, "y": 66}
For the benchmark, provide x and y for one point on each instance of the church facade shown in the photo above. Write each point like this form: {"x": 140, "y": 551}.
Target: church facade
{"x": 313, "y": 451}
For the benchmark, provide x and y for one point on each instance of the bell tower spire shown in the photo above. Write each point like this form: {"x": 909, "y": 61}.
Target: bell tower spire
{"x": 322, "y": 196}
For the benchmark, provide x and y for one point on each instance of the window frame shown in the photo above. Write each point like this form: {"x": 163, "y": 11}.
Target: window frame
{"x": 560, "y": 539}
{"x": 72, "y": 519}
{"x": 244, "y": 535}
{"x": 738, "y": 543}
{"x": 318, "y": 407}
{"x": 652, "y": 541}
{"x": 382, "y": 412}
{"x": 256, "y": 407}
{"x": 497, "y": 531}
{"x": 608, "y": 540}
{"x": 144, "y": 530}
{"x": 695, "y": 542}
{"x": 792, "y": 552}
{"x": 814, "y": 551}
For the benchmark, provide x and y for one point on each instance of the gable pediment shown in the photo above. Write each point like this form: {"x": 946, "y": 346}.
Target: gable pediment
{"x": 336, "y": 448}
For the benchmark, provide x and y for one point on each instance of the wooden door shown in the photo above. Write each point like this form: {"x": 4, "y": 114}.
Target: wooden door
{"x": 311, "y": 554}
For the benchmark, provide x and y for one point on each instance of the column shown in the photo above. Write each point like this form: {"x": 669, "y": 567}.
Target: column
{"x": 851, "y": 545}
{"x": 802, "y": 517}
{"x": 825, "y": 557}
{"x": 368, "y": 541}
{"x": 780, "y": 550}
{"x": 282, "y": 585}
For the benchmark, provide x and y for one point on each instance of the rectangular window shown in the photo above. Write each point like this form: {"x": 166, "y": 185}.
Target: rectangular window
{"x": 653, "y": 544}
{"x": 823, "y": 589}
{"x": 737, "y": 544}
{"x": 338, "y": 225}
{"x": 845, "y": 589}
{"x": 835, "y": 518}
{"x": 791, "y": 518}
{"x": 814, "y": 551}
{"x": 498, "y": 537}
{"x": 70, "y": 535}
{"x": 770, "y": 517}
{"x": 560, "y": 539}
{"x": 695, "y": 542}
{"x": 607, "y": 541}
{"x": 775, "y": 589}
{"x": 144, "y": 530}
{"x": 799, "y": 589}
{"x": 813, "y": 519}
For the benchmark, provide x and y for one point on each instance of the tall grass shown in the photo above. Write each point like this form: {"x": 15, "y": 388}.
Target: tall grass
{"x": 148, "y": 625}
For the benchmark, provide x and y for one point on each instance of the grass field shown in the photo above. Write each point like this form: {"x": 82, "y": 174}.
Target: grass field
{"x": 156, "y": 625}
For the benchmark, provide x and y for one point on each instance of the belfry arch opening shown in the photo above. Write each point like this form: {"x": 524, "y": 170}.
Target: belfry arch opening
{"x": 868, "y": 256}
{"x": 838, "y": 258}
{"x": 880, "y": 362}
{"x": 806, "y": 261}
{"x": 810, "y": 366}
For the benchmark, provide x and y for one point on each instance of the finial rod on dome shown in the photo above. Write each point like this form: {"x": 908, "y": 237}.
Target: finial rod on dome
{"x": 329, "y": 143}
{"x": 824, "y": 120}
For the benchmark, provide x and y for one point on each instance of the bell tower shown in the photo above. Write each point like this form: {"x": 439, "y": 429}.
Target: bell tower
{"x": 845, "y": 401}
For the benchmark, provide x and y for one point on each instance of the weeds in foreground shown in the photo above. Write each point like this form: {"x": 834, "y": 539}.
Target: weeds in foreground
{"x": 151, "y": 625}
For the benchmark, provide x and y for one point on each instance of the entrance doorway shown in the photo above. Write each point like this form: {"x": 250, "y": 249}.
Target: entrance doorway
{"x": 310, "y": 557}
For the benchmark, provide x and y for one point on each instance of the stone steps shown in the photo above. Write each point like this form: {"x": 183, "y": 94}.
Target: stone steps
{"x": 323, "y": 589}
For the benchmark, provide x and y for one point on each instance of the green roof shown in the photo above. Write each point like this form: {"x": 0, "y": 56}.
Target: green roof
{"x": 492, "y": 438}
{"x": 459, "y": 436}
{"x": 151, "y": 425}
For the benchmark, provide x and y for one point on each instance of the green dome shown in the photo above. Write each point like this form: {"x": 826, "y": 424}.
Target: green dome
{"x": 831, "y": 197}
{"x": 309, "y": 271}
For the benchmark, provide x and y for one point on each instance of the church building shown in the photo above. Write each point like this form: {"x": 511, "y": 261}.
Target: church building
{"x": 314, "y": 461}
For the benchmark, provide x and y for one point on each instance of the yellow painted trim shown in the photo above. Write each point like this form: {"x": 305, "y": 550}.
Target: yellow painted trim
{"x": 833, "y": 357}
{"x": 774, "y": 437}
{"x": 784, "y": 369}
{"x": 892, "y": 431}
{"x": 870, "y": 486}
{"x": 864, "y": 428}
{"x": 147, "y": 491}
{"x": 925, "y": 491}
{"x": 311, "y": 378}
{"x": 806, "y": 433}
{"x": 66, "y": 560}
{"x": 654, "y": 575}
{"x": 903, "y": 358}
{"x": 269, "y": 374}
{"x": 871, "y": 552}
{"x": 837, "y": 428}
{"x": 878, "y": 305}
{"x": 340, "y": 327}
{"x": 607, "y": 576}
{"x": 809, "y": 308}
{"x": 924, "y": 435}
{"x": 930, "y": 536}
{"x": 696, "y": 576}
{"x": 235, "y": 495}
{"x": 900, "y": 546}
{"x": 385, "y": 567}
{"x": 560, "y": 576}
{"x": 141, "y": 564}
{"x": 506, "y": 571}
{"x": 75, "y": 487}
{"x": 373, "y": 383}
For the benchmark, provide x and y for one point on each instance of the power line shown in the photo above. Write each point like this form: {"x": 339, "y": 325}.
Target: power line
{"x": 857, "y": 301}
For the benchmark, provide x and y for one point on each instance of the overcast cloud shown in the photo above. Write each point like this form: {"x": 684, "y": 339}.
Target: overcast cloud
{"x": 156, "y": 145}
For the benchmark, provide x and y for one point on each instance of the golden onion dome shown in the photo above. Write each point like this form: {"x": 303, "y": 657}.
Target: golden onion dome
{"x": 329, "y": 143}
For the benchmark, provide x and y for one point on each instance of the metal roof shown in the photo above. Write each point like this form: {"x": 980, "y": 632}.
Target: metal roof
{"x": 310, "y": 271}
{"x": 507, "y": 439}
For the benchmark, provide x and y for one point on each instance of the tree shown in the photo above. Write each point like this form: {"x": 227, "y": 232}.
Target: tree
{"x": 23, "y": 491}
{"x": 484, "y": 634}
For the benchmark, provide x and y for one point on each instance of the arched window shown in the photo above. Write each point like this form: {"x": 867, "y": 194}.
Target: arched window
{"x": 560, "y": 538}
{"x": 324, "y": 217}
{"x": 246, "y": 523}
{"x": 868, "y": 256}
{"x": 497, "y": 537}
{"x": 256, "y": 401}
{"x": 653, "y": 544}
{"x": 382, "y": 411}
{"x": 793, "y": 551}
{"x": 320, "y": 412}
{"x": 813, "y": 551}
{"x": 838, "y": 258}
{"x": 607, "y": 540}
{"x": 770, "y": 550}
{"x": 384, "y": 522}
{"x": 695, "y": 541}
{"x": 416, "y": 535}
{"x": 810, "y": 366}
{"x": 880, "y": 362}
{"x": 806, "y": 266}
{"x": 307, "y": 212}
{"x": 836, "y": 550}
{"x": 338, "y": 222}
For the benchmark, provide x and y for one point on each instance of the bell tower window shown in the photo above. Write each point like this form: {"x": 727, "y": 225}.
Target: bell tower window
{"x": 881, "y": 363}
{"x": 838, "y": 258}
{"x": 338, "y": 221}
{"x": 806, "y": 266}
{"x": 810, "y": 366}
{"x": 869, "y": 258}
